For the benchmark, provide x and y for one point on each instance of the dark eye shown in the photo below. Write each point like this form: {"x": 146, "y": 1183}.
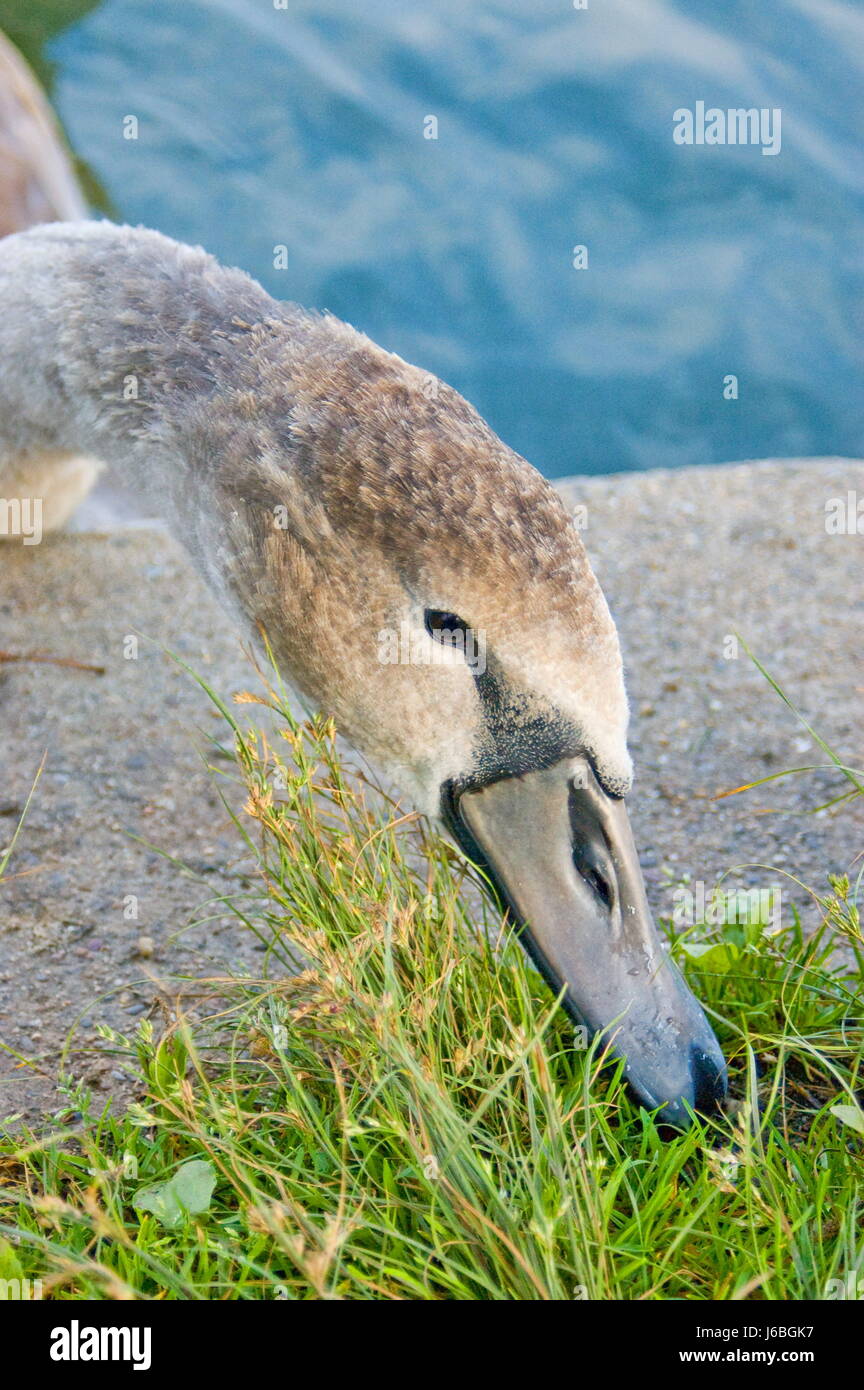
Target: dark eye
{"x": 444, "y": 626}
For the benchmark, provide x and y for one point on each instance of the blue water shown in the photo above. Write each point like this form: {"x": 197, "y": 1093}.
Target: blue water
{"x": 303, "y": 127}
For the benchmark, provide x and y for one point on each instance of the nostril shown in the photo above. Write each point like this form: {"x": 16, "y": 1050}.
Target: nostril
{"x": 709, "y": 1081}
{"x": 590, "y": 865}
{"x": 601, "y": 885}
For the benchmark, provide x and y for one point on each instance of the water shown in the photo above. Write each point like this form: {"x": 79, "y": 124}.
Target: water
{"x": 304, "y": 128}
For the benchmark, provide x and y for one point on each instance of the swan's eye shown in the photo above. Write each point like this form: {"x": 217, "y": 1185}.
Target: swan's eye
{"x": 444, "y": 627}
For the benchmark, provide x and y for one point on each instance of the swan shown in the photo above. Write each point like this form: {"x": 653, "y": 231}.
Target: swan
{"x": 330, "y": 493}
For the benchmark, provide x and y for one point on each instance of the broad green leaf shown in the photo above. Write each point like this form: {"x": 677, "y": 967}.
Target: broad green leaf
{"x": 718, "y": 956}
{"x": 187, "y": 1193}
{"x": 851, "y": 1115}
{"x": 10, "y": 1265}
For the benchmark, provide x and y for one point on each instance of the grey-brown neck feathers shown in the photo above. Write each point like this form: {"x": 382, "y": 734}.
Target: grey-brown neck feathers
{"x": 327, "y": 490}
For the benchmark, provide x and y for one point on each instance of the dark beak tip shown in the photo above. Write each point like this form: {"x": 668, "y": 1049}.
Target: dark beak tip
{"x": 705, "y": 1095}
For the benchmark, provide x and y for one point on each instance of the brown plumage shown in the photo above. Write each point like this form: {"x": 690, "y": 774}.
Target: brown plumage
{"x": 399, "y": 497}
{"x": 331, "y": 493}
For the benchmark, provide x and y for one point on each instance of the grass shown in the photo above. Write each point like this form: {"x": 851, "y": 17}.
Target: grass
{"x": 406, "y": 1117}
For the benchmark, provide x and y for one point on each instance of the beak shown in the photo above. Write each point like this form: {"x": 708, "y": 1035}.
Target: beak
{"x": 559, "y": 851}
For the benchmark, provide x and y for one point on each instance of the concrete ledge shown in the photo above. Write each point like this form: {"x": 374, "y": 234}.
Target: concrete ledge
{"x": 686, "y": 558}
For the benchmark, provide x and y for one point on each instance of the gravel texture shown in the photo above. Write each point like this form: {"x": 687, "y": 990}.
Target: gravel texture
{"x": 687, "y": 559}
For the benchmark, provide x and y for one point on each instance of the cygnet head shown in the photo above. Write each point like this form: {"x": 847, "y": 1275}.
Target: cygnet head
{"x": 428, "y": 587}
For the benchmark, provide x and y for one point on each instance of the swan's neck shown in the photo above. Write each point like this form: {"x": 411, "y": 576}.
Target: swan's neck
{"x": 112, "y": 340}
{"x": 121, "y": 345}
